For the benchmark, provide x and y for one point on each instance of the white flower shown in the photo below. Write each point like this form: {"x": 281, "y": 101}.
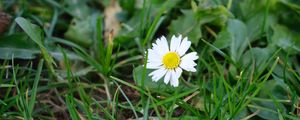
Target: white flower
{"x": 169, "y": 62}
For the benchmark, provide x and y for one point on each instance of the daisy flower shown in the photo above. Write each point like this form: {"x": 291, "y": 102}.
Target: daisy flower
{"x": 169, "y": 61}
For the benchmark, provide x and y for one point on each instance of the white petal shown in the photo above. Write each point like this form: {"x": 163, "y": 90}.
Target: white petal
{"x": 164, "y": 44}
{"x": 153, "y": 56}
{"x": 175, "y": 76}
{"x": 157, "y": 74}
{"x": 172, "y": 42}
{"x": 188, "y": 65}
{"x": 178, "y": 72}
{"x": 187, "y": 62}
{"x": 154, "y": 60}
{"x": 175, "y": 42}
{"x": 167, "y": 77}
{"x": 175, "y": 80}
{"x": 193, "y": 70}
{"x": 190, "y": 56}
{"x": 156, "y": 49}
{"x": 188, "y": 68}
{"x": 184, "y": 46}
{"x": 153, "y": 65}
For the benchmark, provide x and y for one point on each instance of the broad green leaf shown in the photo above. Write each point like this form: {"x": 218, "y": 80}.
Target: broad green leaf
{"x": 239, "y": 40}
{"x": 223, "y": 40}
{"x": 9, "y": 53}
{"x": 258, "y": 23}
{"x": 129, "y": 31}
{"x": 17, "y": 46}
{"x": 272, "y": 88}
{"x": 216, "y": 15}
{"x": 253, "y": 13}
{"x": 234, "y": 37}
{"x": 187, "y": 25}
{"x": 190, "y": 23}
{"x": 80, "y": 32}
{"x": 286, "y": 39}
{"x": 250, "y": 7}
{"x": 78, "y": 8}
{"x": 282, "y": 72}
{"x": 260, "y": 57}
{"x": 33, "y": 31}
{"x": 288, "y": 12}
{"x": 244, "y": 113}
{"x": 37, "y": 35}
{"x": 21, "y": 47}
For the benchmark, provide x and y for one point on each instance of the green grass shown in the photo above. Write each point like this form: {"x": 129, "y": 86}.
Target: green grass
{"x": 64, "y": 59}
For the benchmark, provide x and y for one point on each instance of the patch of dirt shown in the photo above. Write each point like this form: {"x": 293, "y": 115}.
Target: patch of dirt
{"x": 5, "y": 20}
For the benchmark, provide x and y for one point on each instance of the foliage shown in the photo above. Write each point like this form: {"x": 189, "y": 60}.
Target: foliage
{"x": 85, "y": 59}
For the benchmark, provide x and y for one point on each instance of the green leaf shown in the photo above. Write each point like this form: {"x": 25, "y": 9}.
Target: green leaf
{"x": 21, "y": 47}
{"x": 33, "y": 31}
{"x": 214, "y": 14}
{"x": 187, "y": 25}
{"x": 287, "y": 74}
{"x": 37, "y": 35}
{"x": 128, "y": 5}
{"x": 244, "y": 113}
{"x": 70, "y": 103}
{"x": 158, "y": 19}
{"x": 35, "y": 86}
{"x": 80, "y": 32}
{"x": 78, "y": 8}
{"x": 250, "y": 7}
{"x": 286, "y": 39}
{"x": 256, "y": 24}
{"x": 272, "y": 88}
{"x": 291, "y": 10}
{"x": 223, "y": 40}
{"x": 17, "y": 46}
{"x": 239, "y": 39}
{"x": 58, "y": 55}
{"x": 260, "y": 57}
{"x": 6, "y": 85}
{"x": 234, "y": 37}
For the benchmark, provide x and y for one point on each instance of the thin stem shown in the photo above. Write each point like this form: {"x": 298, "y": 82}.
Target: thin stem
{"x": 188, "y": 84}
{"x": 106, "y": 86}
{"x": 229, "y": 4}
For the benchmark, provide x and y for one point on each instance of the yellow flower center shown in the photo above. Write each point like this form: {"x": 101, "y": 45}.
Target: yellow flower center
{"x": 171, "y": 60}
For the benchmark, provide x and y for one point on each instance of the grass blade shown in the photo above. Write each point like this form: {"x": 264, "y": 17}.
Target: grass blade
{"x": 35, "y": 85}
